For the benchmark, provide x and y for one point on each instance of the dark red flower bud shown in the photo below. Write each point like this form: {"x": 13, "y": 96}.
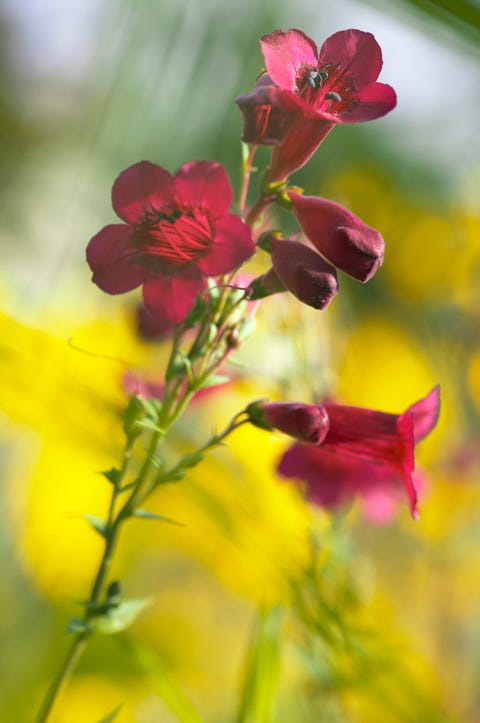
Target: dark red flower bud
{"x": 308, "y": 422}
{"x": 340, "y": 236}
{"x": 266, "y": 113}
{"x": 304, "y": 272}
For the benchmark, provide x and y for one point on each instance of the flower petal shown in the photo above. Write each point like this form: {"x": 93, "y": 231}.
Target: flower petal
{"x": 112, "y": 261}
{"x": 142, "y": 187}
{"x": 232, "y": 245}
{"x": 287, "y": 57}
{"x": 425, "y": 414}
{"x": 151, "y": 326}
{"x": 328, "y": 482}
{"x": 357, "y": 55}
{"x": 302, "y": 139}
{"x": 373, "y": 102}
{"x": 172, "y": 296}
{"x": 204, "y": 185}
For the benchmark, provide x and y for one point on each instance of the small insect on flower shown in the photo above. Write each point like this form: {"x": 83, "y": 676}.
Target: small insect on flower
{"x": 316, "y": 78}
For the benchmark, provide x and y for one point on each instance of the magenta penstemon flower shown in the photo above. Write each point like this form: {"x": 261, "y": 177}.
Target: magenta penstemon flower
{"x": 364, "y": 452}
{"x": 305, "y": 93}
{"x": 177, "y": 231}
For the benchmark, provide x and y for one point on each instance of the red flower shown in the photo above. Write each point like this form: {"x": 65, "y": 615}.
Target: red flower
{"x": 177, "y": 231}
{"x": 308, "y": 422}
{"x": 299, "y": 269}
{"x": 340, "y": 236}
{"x": 151, "y": 326}
{"x": 314, "y": 91}
{"x": 364, "y": 452}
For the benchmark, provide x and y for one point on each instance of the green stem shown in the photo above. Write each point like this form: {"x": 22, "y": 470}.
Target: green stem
{"x": 80, "y": 640}
{"x": 257, "y": 210}
{"x": 71, "y": 659}
{"x": 172, "y": 408}
{"x": 247, "y": 169}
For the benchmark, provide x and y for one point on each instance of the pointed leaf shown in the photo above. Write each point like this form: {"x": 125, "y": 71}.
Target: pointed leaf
{"x": 76, "y": 625}
{"x": 97, "y": 523}
{"x": 112, "y": 475}
{"x": 149, "y": 424}
{"x": 120, "y": 617}
{"x": 146, "y": 515}
{"x": 215, "y": 380}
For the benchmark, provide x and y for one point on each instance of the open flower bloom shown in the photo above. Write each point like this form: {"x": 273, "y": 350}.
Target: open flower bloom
{"x": 311, "y": 92}
{"x": 301, "y": 270}
{"x": 364, "y": 452}
{"x": 339, "y": 235}
{"x": 308, "y": 422}
{"x": 177, "y": 231}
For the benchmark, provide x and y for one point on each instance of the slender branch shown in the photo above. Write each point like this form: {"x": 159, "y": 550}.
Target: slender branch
{"x": 71, "y": 659}
{"x": 247, "y": 170}
{"x": 257, "y": 210}
{"x": 80, "y": 640}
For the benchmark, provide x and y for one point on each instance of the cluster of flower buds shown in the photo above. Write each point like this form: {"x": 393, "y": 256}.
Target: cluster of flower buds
{"x": 179, "y": 234}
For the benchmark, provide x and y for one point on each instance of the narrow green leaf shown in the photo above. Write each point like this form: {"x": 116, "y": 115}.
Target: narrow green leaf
{"x": 111, "y": 716}
{"x": 97, "y": 523}
{"x": 149, "y": 424}
{"x": 215, "y": 380}
{"x": 157, "y": 461}
{"x": 76, "y": 625}
{"x": 165, "y": 686}
{"x": 146, "y": 515}
{"x": 262, "y": 669}
{"x": 120, "y": 617}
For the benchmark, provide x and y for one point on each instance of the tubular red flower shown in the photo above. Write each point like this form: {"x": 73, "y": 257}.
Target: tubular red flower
{"x": 308, "y": 422}
{"x": 178, "y": 231}
{"x": 340, "y": 236}
{"x": 311, "y": 92}
{"x": 363, "y": 452}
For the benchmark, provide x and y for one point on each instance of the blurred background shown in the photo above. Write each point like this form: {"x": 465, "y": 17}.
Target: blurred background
{"x": 264, "y": 609}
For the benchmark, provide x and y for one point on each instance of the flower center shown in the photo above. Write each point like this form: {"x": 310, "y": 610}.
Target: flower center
{"x": 327, "y": 89}
{"x": 172, "y": 238}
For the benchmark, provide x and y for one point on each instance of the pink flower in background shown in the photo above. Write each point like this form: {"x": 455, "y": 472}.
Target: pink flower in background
{"x": 339, "y": 235}
{"x": 177, "y": 231}
{"x": 365, "y": 453}
{"x": 308, "y": 422}
{"x": 314, "y": 91}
